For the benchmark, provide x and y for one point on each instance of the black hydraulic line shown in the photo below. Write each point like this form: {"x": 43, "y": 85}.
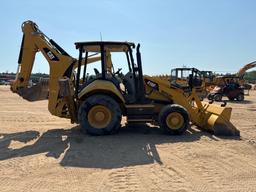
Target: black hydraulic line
{"x": 21, "y": 49}
{"x": 62, "y": 51}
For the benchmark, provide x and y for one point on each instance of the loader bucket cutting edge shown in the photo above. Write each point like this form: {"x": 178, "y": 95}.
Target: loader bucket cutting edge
{"x": 218, "y": 121}
{"x": 221, "y": 126}
{"x": 36, "y": 92}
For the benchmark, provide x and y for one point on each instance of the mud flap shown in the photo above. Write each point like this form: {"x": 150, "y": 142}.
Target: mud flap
{"x": 37, "y": 92}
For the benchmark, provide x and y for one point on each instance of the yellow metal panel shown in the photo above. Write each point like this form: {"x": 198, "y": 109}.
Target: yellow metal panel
{"x": 99, "y": 86}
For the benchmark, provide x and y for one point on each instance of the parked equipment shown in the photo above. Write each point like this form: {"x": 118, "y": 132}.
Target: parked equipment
{"x": 238, "y": 77}
{"x": 188, "y": 78}
{"x": 98, "y": 101}
{"x": 231, "y": 89}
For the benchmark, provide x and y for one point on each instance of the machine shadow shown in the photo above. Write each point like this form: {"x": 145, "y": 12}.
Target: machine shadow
{"x": 240, "y": 102}
{"x": 132, "y": 146}
{"x": 235, "y": 102}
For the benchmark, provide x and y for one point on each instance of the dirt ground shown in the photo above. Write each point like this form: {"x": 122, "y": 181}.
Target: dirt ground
{"x": 40, "y": 152}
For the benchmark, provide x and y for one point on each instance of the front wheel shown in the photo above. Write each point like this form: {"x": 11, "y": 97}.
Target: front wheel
{"x": 240, "y": 97}
{"x": 174, "y": 119}
{"x": 210, "y": 96}
{"x": 100, "y": 115}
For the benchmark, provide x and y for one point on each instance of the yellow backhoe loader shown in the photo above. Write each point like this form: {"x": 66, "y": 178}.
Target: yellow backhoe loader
{"x": 188, "y": 78}
{"x": 98, "y": 101}
{"x": 238, "y": 77}
{"x": 210, "y": 81}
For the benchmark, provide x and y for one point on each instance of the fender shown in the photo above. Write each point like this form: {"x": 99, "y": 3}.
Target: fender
{"x": 101, "y": 86}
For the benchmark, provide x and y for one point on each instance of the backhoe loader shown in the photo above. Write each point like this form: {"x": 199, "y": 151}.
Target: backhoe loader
{"x": 213, "y": 80}
{"x": 189, "y": 78}
{"x": 98, "y": 101}
{"x": 213, "y": 85}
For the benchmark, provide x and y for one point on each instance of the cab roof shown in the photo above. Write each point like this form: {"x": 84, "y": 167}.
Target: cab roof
{"x": 112, "y": 46}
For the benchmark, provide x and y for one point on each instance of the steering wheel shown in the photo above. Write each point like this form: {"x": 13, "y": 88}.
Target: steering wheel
{"x": 118, "y": 71}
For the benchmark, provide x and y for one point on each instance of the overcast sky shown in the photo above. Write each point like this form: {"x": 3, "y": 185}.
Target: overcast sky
{"x": 216, "y": 35}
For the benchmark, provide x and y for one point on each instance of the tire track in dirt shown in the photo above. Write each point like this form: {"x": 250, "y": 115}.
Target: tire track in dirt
{"x": 123, "y": 180}
{"x": 6, "y": 184}
{"x": 26, "y": 118}
{"x": 216, "y": 168}
{"x": 163, "y": 178}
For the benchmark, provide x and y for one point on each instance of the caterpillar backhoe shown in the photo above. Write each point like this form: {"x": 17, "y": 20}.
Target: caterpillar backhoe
{"x": 97, "y": 101}
{"x": 188, "y": 79}
{"x": 221, "y": 80}
{"x": 60, "y": 62}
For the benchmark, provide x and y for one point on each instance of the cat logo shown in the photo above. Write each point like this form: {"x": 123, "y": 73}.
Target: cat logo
{"x": 51, "y": 55}
{"x": 152, "y": 84}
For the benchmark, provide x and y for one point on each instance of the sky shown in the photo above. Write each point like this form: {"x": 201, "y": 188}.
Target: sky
{"x": 217, "y": 35}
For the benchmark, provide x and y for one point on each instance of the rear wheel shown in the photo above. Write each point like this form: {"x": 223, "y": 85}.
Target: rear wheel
{"x": 100, "y": 115}
{"x": 240, "y": 97}
{"x": 217, "y": 97}
{"x": 210, "y": 97}
{"x": 174, "y": 119}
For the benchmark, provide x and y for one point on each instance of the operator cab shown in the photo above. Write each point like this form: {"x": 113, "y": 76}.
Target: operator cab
{"x": 207, "y": 75}
{"x": 126, "y": 76}
{"x": 186, "y": 78}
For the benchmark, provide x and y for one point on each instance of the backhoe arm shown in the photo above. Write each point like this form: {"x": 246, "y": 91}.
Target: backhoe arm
{"x": 246, "y": 67}
{"x": 61, "y": 66}
{"x": 27, "y": 54}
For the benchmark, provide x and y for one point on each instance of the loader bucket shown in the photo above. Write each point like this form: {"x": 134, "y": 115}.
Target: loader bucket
{"x": 217, "y": 120}
{"x": 36, "y": 92}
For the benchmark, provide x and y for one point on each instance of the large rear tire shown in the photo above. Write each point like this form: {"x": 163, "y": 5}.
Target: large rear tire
{"x": 174, "y": 119}
{"x": 100, "y": 115}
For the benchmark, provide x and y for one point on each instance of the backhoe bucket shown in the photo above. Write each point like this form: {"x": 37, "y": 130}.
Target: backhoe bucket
{"x": 217, "y": 120}
{"x": 36, "y": 92}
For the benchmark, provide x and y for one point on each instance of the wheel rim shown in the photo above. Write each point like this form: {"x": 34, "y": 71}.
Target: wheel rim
{"x": 99, "y": 116}
{"x": 240, "y": 97}
{"x": 174, "y": 120}
{"x": 217, "y": 97}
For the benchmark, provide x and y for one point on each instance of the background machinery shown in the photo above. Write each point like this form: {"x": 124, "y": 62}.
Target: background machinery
{"x": 232, "y": 86}
{"x": 231, "y": 89}
{"x": 97, "y": 101}
{"x": 214, "y": 87}
{"x": 238, "y": 77}
{"x": 188, "y": 79}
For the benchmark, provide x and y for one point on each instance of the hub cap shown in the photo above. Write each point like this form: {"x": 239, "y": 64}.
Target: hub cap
{"x": 174, "y": 120}
{"x": 99, "y": 116}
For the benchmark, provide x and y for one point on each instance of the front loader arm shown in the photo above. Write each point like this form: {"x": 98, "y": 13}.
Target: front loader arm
{"x": 206, "y": 116}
